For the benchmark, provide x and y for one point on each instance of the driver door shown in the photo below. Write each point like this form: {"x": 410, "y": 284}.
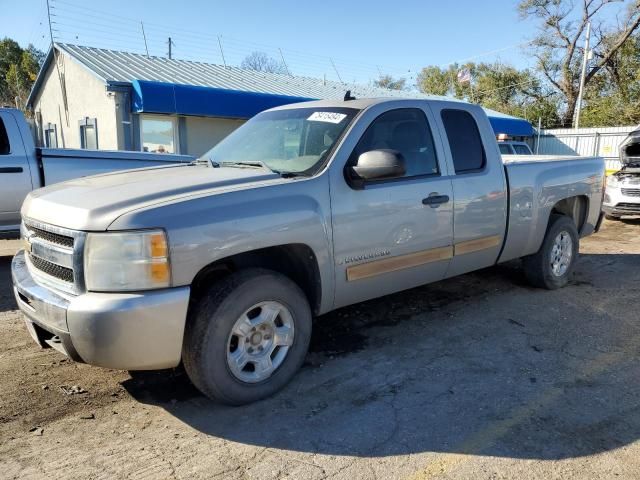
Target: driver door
{"x": 389, "y": 236}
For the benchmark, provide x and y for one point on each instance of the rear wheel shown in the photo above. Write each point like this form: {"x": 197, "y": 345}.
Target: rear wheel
{"x": 247, "y": 336}
{"x": 552, "y": 266}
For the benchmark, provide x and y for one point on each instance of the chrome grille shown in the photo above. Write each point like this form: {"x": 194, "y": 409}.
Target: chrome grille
{"x": 63, "y": 273}
{"x": 631, "y": 192}
{"x": 630, "y": 207}
{"x": 51, "y": 237}
{"x": 54, "y": 255}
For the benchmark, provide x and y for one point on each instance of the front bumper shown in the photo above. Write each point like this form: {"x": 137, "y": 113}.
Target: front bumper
{"x": 129, "y": 331}
{"x": 618, "y": 204}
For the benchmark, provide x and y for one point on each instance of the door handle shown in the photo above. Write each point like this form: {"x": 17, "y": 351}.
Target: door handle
{"x": 433, "y": 200}
{"x": 10, "y": 169}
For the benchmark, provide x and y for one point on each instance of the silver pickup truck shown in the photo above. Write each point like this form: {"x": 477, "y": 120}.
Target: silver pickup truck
{"x": 24, "y": 167}
{"x": 306, "y": 208}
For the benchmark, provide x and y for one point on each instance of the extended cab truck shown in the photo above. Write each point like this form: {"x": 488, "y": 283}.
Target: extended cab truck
{"x": 306, "y": 208}
{"x": 23, "y": 167}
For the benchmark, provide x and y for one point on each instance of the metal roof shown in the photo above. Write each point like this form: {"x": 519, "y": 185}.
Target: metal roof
{"x": 116, "y": 67}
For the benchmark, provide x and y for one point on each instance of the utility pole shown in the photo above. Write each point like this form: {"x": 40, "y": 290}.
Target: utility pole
{"x": 585, "y": 60}
{"x": 170, "y": 43}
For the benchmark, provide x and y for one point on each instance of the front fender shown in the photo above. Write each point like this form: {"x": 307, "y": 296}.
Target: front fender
{"x": 210, "y": 228}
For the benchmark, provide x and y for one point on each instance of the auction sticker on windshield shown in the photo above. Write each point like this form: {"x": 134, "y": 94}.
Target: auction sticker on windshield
{"x": 330, "y": 117}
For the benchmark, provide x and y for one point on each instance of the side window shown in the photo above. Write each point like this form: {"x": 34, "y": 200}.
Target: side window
{"x": 5, "y": 148}
{"x": 88, "y": 133}
{"x": 464, "y": 141}
{"x": 407, "y": 131}
{"x": 504, "y": 149}
{"x": 522, "y": 150}
{"x": 50, "y": 135}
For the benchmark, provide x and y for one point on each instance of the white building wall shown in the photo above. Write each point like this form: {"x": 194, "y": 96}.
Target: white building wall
{"x": 86, "y": 97}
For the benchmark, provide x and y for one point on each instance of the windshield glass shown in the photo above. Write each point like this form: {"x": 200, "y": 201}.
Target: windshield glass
{"x": 287, "y": 141}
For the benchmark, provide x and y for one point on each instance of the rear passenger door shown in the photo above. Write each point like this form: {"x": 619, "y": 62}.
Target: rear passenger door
{"x": 15, "y": 176}
{"x": 479, "y": 187}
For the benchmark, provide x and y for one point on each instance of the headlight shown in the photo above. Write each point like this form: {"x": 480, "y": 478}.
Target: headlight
{"x": 125, "y": 261}
{"x": 612, "y": 181}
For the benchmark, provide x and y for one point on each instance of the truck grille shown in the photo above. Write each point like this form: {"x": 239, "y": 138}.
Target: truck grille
{"x": 631, "y": 192}
{"x": 628, "y": 207}
{"x": 54, "y": 255}
{"x": 51, "y": 237}
{"x": 63, "y": 273}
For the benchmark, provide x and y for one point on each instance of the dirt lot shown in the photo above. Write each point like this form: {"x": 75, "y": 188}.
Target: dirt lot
{"x": 475, "y": 377}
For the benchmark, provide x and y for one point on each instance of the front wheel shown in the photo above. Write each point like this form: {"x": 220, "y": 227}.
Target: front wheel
{"x": 552, "y": 266}
{"x": 247, "y": 337}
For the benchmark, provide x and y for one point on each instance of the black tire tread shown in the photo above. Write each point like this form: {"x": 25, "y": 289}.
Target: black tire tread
{"x": 197, "y": 328}
{"x": 534, "y": 265}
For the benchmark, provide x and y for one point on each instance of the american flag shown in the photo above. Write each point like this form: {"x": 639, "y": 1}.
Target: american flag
{"x": 464, "y": 76}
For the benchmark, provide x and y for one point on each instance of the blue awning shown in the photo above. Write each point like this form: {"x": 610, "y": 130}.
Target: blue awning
{"x": 171, "y": 98}
{"x": 512, "y": 126}
{"x": 178, "y": 99}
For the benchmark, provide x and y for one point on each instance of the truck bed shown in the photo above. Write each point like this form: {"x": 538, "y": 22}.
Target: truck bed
{"x": 536, "y": 184}
{"x": 58, "y": 165}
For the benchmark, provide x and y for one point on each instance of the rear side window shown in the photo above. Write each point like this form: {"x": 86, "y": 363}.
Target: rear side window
{"x": 5, "y": 149}
{"x": 464, "y": 141}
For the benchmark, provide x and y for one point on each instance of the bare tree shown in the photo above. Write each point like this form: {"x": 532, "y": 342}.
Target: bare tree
{"x": 261, "y": 62}
{"x": 557, "y": 47}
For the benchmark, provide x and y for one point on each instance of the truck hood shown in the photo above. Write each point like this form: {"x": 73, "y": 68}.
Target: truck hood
{"x": 93, "y": 203}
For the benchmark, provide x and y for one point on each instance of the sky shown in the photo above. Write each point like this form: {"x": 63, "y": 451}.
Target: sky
{"x": 346, "y": 40}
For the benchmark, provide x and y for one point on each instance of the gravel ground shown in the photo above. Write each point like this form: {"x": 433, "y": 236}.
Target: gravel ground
{"x": 475, "y": 377}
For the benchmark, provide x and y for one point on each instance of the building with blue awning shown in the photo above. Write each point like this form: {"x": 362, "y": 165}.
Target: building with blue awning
{"x": 107, "y": 99}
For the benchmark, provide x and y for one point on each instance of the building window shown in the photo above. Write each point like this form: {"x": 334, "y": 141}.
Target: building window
{"x": 88, "y": 133}
{"x": 50, "y": 135}
{"x": 158, "y": 134}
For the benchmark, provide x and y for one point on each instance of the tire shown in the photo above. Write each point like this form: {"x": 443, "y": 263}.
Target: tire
{"x": 612, "y": 217}
{"x": 539, "y": 268}
{"x": 212, "y": 342}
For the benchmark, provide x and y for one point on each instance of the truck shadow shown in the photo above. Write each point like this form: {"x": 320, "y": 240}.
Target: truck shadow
{"x": 479, "y": 364}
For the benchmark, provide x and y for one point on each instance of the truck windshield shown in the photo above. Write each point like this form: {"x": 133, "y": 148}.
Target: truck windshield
{"x": 292, "y": 141}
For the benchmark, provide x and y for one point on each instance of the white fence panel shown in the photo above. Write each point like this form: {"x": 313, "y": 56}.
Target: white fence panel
{"x": 603, "y": 142}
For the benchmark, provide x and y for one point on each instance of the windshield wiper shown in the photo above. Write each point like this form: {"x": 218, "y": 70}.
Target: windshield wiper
{"x": 252, "y": 163}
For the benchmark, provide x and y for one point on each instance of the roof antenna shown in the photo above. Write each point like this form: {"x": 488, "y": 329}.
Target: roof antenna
{"x": 348, "y": 96}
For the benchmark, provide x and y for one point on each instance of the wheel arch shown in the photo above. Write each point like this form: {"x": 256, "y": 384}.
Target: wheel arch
{"x": 296, "y": 261}
{"x": 576, "y": 208}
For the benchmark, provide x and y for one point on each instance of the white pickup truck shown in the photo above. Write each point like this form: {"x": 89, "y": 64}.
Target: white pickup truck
{"x": 23, "y": 167}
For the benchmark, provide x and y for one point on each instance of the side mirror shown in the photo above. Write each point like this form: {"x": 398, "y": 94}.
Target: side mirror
{"x": 378, "y": 164}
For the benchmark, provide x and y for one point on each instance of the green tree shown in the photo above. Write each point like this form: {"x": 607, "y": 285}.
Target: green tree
{"x": 558, "y": 50}
{"x": 494, "y": 85}
{"x": 387, "y": 81}
{"x": 613, "y": 96}
{"x": 18, "y": 70}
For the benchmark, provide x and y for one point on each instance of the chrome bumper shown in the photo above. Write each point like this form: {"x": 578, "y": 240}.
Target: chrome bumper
{"x": 129, "y": 331}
